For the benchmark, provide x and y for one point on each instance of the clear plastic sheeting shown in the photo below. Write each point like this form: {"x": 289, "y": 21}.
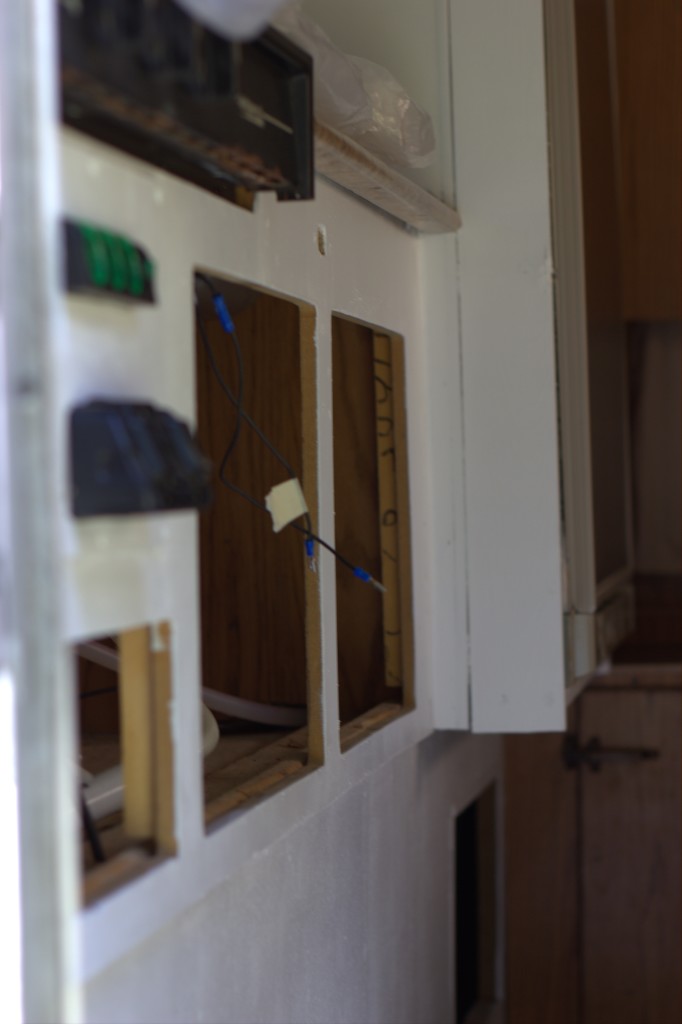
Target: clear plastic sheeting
{"x": 234, "y": 19}
{"x": 361, "y": 99}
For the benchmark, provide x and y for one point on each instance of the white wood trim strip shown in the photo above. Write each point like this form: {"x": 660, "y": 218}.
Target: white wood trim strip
{"x": 353, "y": 168}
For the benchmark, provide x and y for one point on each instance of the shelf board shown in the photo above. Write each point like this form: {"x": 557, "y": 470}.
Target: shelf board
{"x": 355, "y": 169}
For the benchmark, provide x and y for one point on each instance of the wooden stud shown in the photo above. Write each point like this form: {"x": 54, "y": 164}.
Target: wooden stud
{"x": 389, "y": 513}
{"x": 135, "y": 688}
{"x": 403, "y": 504}
{"x": 313, "y": 623}
{"x": 163, "y": 772}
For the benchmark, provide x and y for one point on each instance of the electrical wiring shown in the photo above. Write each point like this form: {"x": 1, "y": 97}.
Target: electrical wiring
{"x": 237, "y": 401}
{"x": 98, "y": 693}
{"x": 228, "y": 327}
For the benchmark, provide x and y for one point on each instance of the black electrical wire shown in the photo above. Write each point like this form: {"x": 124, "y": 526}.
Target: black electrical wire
{"x": 98, "y": 693}
{"x": 237, "y": 402}
{"x": 318, "y": 540}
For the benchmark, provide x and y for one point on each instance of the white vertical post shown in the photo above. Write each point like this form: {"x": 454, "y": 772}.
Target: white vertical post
{"x": 38, "y": 664}
{"x": 508, "y": 366}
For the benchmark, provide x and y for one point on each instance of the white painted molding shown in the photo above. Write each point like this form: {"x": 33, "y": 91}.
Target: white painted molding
{"x": 509, "y": 367}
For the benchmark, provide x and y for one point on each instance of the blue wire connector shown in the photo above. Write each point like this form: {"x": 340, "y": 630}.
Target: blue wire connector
{"x": 221, "y": 309}
{"x": 363, "y": 575}
{"x": 310, "y": 553}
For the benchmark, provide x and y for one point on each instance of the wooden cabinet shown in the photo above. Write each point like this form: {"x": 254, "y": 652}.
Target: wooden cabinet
{"x": 648, "y": 50}
{"x": 593, "y": 854}
{"x": 631, "y": 845}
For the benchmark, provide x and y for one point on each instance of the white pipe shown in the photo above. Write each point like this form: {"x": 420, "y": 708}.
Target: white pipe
{"x": 104, "y": 793}
{"x": 254, "y": 711}
{"x": 96, "y": 652}
{"x": 237, "y": 707}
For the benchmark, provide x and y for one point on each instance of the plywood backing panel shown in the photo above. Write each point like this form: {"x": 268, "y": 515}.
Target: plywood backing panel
{"x": 137, "y": 733}
{"x": 163, "y": 759}
{"x": 100, "y": 713}
{"x": 252, "y": 580}
{"x": 356, "y": 497}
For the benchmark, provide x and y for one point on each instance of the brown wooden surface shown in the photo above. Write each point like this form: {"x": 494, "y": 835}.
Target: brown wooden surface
{"x": 606, "y": 329}
{"x": 369, "y": 722}
{"x": 541, "y": 882}
{"x": 126, "y": 867}
{"x": 641, "y": 677}
{"x": 247, "y": 768}
{"x": 632, "y": 862}
{"x": 384, "y": 416}
{"x": 100, "y": 713}
{"x": 137, "y": 733}
{"x": 252, "y": 580}
{"x": 658, "y": 628}
{"x": 163, "y": 759}
{"x": 649, "y": 50}
{"x": 404, "y": 527}
{"x": 359, "y": 607}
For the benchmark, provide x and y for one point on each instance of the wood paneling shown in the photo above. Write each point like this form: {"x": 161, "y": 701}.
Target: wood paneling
{"x": 541, "y": 882}
{"x": 631, "y": 861}
{"x": 162, "y": 742}
{"x": 607, "y": 345}
{"x": 359, "y": 612}
{"x": 98, "y": 713}
{"x": 252, "y": 580}
{"x": 649, "y": 49}
{"x": 657, "y": 637}
{"x": 374, "y": 631}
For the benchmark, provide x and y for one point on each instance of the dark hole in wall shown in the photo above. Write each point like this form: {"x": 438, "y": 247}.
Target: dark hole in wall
{"x": 467, "y": 965}
{"x": 475, "y": 940}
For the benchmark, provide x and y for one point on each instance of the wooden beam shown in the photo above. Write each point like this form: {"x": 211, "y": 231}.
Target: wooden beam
{"x": 163, "y": 794}
{"x": 135, "y": 689}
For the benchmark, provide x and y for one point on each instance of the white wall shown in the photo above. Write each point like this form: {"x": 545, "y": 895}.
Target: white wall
{"x": 347, "y": 917}
{"x": 329, "y": 899}
{"x": 332, "y": 899}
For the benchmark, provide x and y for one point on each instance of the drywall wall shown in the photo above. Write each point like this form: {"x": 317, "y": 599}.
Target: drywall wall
{"x": 240, "y": 924}
{"x": 347, "y": 917}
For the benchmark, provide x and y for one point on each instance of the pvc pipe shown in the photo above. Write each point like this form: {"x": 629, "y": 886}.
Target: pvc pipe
{"x": 237, "y": 707}
{"x": 104, "y": 794}
{"x": 99, "y": 654}
{"x": 254, "y": 711}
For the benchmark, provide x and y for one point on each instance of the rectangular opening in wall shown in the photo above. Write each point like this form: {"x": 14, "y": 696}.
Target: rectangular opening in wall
{"x": 475, "y": 912}
{"x": 126, "y": 756}
{"x": 372, "y": 531}
{"x": 260, "y": 631}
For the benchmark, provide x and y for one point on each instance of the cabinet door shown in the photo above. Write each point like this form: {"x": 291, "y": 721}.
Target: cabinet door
{"x": 632, "y": 844}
